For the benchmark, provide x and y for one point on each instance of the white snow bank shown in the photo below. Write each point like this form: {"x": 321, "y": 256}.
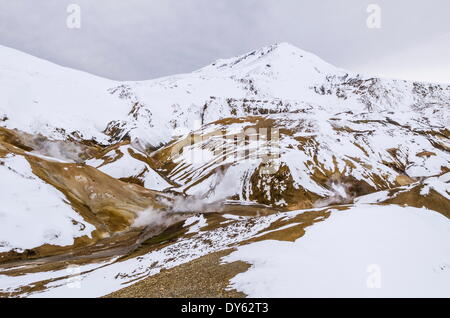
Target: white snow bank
{"x": 32, "y": 212}
{"x": 367, "y": 251}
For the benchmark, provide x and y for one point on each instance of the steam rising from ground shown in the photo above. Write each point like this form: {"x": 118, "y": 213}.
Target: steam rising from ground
{"x": 341, "y": 195}
{"x": 157, "y": 218}
{"x": 178, "y": 208}
{"x": 58, "y": 149}
{"x": 191, "y": 204}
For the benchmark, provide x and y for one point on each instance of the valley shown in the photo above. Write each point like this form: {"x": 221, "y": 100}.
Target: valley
{"x": 253, "y": 173}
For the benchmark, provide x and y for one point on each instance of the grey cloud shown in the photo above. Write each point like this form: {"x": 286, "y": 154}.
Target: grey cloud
{"x": 142, "y": 39}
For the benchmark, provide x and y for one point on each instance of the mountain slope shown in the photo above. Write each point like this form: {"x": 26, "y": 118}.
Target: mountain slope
{"x": 270, "y": 79}
{"x": 125, "y": 179}
{"x": 40, "y": 97}
{"x": 315, "y": 159}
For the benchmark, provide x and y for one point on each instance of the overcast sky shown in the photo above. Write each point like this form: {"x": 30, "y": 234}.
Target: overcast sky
{"x": 143, "y": 39}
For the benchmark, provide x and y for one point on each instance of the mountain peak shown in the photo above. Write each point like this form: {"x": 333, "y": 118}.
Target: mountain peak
{"x": 284, "y": 48}
{"x": 279, "y": 57}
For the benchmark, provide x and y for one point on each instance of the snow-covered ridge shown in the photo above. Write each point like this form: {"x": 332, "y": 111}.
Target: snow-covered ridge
{"x": 40, "y": 97}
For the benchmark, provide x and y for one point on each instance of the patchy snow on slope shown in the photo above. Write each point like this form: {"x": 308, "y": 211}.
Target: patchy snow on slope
{"x": 153, "y": 181}
{"x": 219, "y": 163}
{"x": 124, "y": 165}
{"x": 439, "y": 184}
{"x": 366, "y": 251}
{"x": 39, "y": 96}
{"x": 117, "y": 275}
{"x": 32, "y": 212}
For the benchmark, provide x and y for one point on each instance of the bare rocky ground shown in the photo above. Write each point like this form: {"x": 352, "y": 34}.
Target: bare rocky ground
{"x": 204, "y": 277}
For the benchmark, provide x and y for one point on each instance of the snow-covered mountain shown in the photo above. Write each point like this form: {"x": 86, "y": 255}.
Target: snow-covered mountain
{"x": 278, "y": 78}
{"x": 262, "y": 145}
